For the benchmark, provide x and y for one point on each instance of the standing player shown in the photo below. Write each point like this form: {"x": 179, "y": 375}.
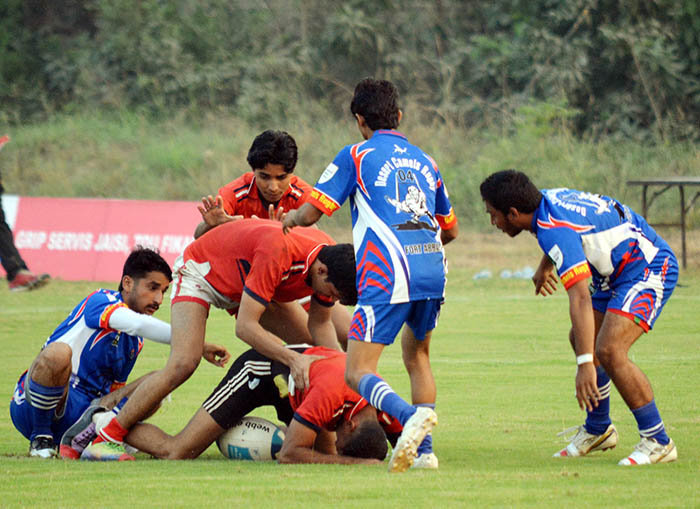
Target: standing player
{"x": 241, "y": 267}
{"x": 325, "y": 407}
{"x": 266, "y": 191}
{"x": 401, "y": 219}
{"x": 90, "y": 355}
{"x": 633, "y": 271}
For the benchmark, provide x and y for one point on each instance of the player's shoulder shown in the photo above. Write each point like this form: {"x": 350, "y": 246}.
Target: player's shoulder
{"x": 238, "y": 184}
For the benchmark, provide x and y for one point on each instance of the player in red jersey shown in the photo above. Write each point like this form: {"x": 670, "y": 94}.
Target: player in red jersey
{"x": 242, "y": 266}
{"x": 267, "y": 192}
{"x": 325, "y": 407}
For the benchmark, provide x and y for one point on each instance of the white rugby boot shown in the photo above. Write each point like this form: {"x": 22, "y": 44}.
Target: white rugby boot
{"x": 648, "y": 451}
{"x": 420, "y": 424}
{"x": 583, "y": 442}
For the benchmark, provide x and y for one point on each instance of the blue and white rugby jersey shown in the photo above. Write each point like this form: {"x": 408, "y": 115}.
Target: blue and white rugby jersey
{"x": 398, "y": 204}
{"x": 587, "y": 234}
{"x": 102, "y": 357}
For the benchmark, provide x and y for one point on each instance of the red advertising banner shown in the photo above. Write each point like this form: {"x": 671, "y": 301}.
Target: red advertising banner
{"x": 89, "y": 239}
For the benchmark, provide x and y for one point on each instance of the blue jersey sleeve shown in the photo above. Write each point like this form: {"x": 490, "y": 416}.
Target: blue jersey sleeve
{"x": 564, "y": 248}
{"x": 98, "y": 307}
{"x": 336, "y": 183}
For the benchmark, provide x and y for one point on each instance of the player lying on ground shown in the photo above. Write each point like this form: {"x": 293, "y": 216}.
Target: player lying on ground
{"x": 327, "y": 421}
{"x": 266, "y": 192}
{"x": 401, "y": 218}
{"x": 241, "y": 266}
{"x": 596, "y": 240}
{"x": 87, "y": 360}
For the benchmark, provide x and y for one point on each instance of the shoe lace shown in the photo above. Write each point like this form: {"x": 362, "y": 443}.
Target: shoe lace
{"x": 647, "y": 446}
{"x": 572, "y": 432}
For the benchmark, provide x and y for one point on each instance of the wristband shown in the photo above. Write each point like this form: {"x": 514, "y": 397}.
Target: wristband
{"x": 584, "y": 358}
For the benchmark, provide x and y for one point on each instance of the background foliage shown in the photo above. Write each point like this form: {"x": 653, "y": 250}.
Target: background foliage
{"x": 627, "y": 68}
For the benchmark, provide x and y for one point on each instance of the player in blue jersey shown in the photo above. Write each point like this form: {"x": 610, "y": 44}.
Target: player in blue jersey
{"x": 401, "y": 219}
{"x": 593, "y": 239}
{"x": 84, "y": 365}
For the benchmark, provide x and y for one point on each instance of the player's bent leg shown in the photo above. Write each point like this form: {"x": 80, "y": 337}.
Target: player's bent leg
{"x": 193, "y": 440}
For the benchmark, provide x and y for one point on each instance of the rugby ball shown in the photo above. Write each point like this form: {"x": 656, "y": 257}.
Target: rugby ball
{"x": 252, "y": 439}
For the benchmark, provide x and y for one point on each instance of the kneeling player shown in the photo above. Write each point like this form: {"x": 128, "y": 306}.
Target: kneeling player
{"x": 327, "y": 405}
{"x": 85, "y": 363}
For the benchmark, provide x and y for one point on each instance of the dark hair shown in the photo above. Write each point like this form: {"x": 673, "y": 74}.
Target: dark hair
{"x": 378, "y": 102}
{"x": 340, "y": 260}
{"x": 368, "y": 440}
{"x": 143, "y": 260}
{"x": 510, "y": 188}
{"x": 273, "y": 147}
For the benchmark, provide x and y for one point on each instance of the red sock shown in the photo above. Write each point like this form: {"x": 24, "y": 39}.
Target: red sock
{"x": 112, "y": 432}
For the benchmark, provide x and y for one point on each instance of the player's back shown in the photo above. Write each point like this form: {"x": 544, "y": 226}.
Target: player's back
{"x": 612, "y": 235}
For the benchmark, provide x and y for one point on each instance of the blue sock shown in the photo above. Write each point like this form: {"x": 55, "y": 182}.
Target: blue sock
{"x": 650, "y": 424}
{"x": 44, "y": 401}
{"x": 598, "y": 420}
{"x": 382, "y": 397}
{"x": 426, "y": 446}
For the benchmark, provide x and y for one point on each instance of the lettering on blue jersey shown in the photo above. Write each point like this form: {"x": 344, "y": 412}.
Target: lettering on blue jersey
{"x": 413, "y": 249}
{"x": 384, "y": 173}
{"x": 432, "y": 247}
{"x": 577, "y": 201}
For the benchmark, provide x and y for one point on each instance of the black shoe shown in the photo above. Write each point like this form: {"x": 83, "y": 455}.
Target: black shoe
{"x": 42, "y": 447}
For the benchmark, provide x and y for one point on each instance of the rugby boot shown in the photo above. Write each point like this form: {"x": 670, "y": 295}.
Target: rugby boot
{"x": 648, "y": 451}
{"x": 42, "y": 447}
{"x": 420, "y": 424}
{"x": 583, "y": 442}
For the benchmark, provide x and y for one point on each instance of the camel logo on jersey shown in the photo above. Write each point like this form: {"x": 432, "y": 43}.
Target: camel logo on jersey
{"x": 413, "y": 203}
{"x": 399, "y": 149}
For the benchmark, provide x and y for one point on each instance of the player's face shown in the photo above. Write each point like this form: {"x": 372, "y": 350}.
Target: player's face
{"x": 145, "y": 295}
{"x": 342, "y": 435}
{"x": 322, "y": 286}
{"x": 272, "y": 182}
{"x": 501, "y": 221}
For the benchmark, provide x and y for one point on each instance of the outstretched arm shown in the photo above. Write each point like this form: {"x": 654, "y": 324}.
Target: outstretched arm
{"x": 306, "y": 215}
{"x": 213, "y": 214}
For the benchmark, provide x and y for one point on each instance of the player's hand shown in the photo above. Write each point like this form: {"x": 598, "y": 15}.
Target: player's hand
{"x": 213, "y": 213}
{"x": 287, "y": 219}
{"x": 545, "y": 280}
{"x": 275, "y": 216}
{"x": 299, "y": 369}
{"x": 587, "y": 392}
{"x": 216, "y": 354}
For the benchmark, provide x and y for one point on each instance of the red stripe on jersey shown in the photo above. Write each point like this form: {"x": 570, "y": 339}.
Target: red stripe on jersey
{"x": 357, "y": 158}
{"x": 560, "y": 223}
{"x": 107, "y": 313}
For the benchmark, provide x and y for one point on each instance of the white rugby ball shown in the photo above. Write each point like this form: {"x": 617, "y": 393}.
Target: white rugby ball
{"x": 253, "y": 439}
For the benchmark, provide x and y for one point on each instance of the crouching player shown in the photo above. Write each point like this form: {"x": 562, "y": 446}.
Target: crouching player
{"x": 84, "y": 364}
{"x": 632, "y": 270}
{"x": 327, "y": 405}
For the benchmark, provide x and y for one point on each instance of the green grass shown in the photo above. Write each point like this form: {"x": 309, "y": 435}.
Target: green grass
{"x": 505, "y": 376}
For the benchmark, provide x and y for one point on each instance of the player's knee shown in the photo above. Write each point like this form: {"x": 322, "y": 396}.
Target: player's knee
{"x": 179, "y": 369}
{"x": 55, "y": 358}
{"x": 608, "y": 355}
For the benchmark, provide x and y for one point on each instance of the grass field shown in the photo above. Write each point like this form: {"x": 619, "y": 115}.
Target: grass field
{"x": 505, "y": 376}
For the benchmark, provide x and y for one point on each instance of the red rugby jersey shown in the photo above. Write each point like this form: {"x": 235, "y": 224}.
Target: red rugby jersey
{"x": 328, "y": 399}
{"x": 255, "y": 256}
{"x": 241, "y": 197}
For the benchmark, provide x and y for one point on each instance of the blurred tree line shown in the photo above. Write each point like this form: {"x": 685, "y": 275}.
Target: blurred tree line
{"x": 627, "y": 68}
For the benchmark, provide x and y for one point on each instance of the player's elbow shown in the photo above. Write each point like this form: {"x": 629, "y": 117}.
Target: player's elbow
{"x": 448, "y": 236}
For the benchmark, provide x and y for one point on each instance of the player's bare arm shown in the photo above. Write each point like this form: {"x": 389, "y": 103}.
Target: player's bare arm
{"x": 545, "y": 279}
{"x": 306, "y": 215}
{"x": 216, "y": 354}
{"x": 213, "y": 214}
{"x": 447, "y": 236}
{"x": 583, "y": 325}
{"x": 298, "y": 447}
{"x": 249, "y": 330}
{"x": 321, "y": 325}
